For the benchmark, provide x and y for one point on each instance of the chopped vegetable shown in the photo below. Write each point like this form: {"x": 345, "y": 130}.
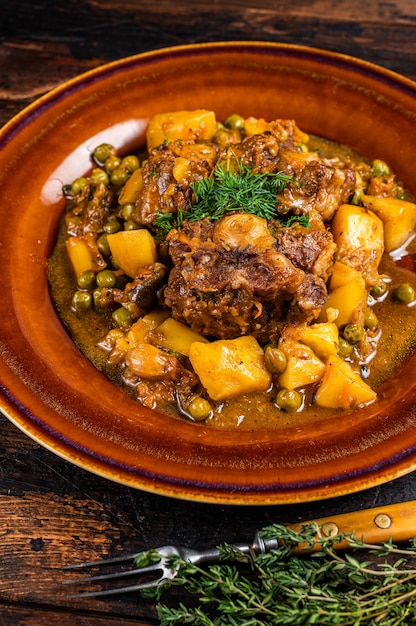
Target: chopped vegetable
{"x": 175, "y": 336}
{"x": 84, "y": 256}
{"x": 341, "y": 387}
{"x": 132, "y": 250}
{"x": 303, "y": 366}
{"x": 230, "y": 368}
{"x": 398, "y": 217}
{"x": 359, "y": 236}
{"x": 186, "y": 125}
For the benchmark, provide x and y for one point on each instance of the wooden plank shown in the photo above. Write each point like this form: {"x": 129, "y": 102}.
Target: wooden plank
{"x": 11, "y": 615}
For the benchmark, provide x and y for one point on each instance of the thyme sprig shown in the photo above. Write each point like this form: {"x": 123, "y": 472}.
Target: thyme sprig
{"x": 233, "y": 189}
{"x": 285, "y": 588}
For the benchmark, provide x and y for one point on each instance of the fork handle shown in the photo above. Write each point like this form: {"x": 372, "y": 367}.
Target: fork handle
{"x": 377, "y": 525}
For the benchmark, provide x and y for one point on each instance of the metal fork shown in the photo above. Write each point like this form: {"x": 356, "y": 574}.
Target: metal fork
{"x": 164, "y": 566}
{"x": 395, "y": 522}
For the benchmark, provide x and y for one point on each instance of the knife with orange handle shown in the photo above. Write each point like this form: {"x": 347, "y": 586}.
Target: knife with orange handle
{"x": 377, "y": 525}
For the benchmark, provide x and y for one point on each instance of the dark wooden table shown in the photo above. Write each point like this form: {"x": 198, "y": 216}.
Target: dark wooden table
{"x": 52, "y": 513}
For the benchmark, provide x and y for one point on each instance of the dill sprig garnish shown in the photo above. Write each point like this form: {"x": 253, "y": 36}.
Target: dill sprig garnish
{"x": 366, "y": 584}
{"x": 237, "y": 189}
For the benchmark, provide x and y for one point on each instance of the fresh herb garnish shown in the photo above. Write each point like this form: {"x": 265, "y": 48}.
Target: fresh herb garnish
{"x": 280, "y": 587}
{"x": 238, "y": 189}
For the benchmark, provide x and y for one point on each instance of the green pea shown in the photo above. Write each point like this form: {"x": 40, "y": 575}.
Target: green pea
{"x": 356, "y": 199}
{"x": 127, "y": 211}
{"x": 380, "y": 167}
{"x": 86, "y": 280}
{"x": 353, "y": 333}
{"x": 344, "y": 348}
{"x": 119, "y": 176}
{"x": 99, "y": 175}
{"x": 130, "y": 163}
{"x": 112, "y": 163}
{"x": 106, "y": 278}
{"x": 288, "y": 400}
{"x": 370, "y": 320}
{"x": 234, "y": 121}
{"x": 81, "y": 301}
{"x": 97, "y": 296}
{"x": 102, "y": 245}
{"x": 275, "y": 359}
{"x": 122, "y": 317}
{"x": 78, "y": 185}
{"x": 102, "y": 152}
{"x": 131, "y": 225}
{"x": 404, "y": 293}
{"x": 112, "y": 226}
{"x": 199, "y": 408}
{"x": 377, "y": 291}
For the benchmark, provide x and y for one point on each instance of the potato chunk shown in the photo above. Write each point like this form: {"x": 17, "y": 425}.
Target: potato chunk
{"x": 341, "y": 387}
{"x": 230, "y": 368}
{"x": 359, "y": 235}
{"x": 398, "y": 217}
{"x": 132, "y": 250}
{"x": 185, "y": 125}
{"x": 321, "y": 338}
{"x": 175, "y": 336}
{"x": 303, "y": 366}
{"x": 349, "y": 300}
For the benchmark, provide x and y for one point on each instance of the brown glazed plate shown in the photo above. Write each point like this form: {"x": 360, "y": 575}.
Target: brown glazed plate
{"x": 56, "y": 396}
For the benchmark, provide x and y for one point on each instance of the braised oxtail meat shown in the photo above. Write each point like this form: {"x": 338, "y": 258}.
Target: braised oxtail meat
{"x": 228, "y": 287}
{"x": 166, "y": 181}
{"x": 317, "y": 187}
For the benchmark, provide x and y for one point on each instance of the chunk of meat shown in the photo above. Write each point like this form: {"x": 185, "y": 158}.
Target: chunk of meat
{"x": 318, "y": 187}
{"x": 311, "y": 250}
{"x": 226, "y": 292}
{"x": 91, "y": 208}
{"x": 161, "y": 192}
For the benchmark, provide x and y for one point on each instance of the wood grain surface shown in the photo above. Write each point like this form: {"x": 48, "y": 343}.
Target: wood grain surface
{"x": 52, "y": 513}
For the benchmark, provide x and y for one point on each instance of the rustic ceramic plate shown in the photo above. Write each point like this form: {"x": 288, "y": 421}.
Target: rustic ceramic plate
{"x": 56, "y": 396}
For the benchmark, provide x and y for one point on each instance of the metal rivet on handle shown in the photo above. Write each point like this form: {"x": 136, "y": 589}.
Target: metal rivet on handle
{"x": 329, "y": 528}
{"x": 382, "y": 520}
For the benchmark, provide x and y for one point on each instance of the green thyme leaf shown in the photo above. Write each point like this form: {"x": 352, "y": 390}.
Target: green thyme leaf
{"x": 281, "y": 587}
